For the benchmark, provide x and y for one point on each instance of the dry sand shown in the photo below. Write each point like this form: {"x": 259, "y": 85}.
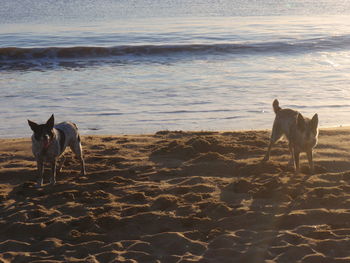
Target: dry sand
{"x": 178, "y": 197}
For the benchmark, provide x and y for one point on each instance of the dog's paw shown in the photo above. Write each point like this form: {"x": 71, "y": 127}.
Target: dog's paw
{"x": 265, "y": 159}
{"x": 296, "y": 171}
{"x": 52, "y": 182}
{"x": 291, "y": 163}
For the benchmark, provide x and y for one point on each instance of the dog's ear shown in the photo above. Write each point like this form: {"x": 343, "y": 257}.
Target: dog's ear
{"x": 276, "y": 106}
{"x": 50, "y": 122}
{"x": 33, "y": 125}
{"x": 301, "y": 122}
{"x": 314, "y": 122}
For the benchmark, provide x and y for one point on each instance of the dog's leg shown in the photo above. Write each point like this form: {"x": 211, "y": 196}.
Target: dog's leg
{"x": 291, "y": 150}
{"x": 53, "y": 172}
{"x": 296, "y": 161}
{"x": 275, "y": 136}
{"x": 40, "y": 166}
{"x": 60, "y": 164}
{"x": 82, "y": 166}
{"x": 311, "y": 163}
{"x": 267, "y": 155}
{"x": 77, "y": 149}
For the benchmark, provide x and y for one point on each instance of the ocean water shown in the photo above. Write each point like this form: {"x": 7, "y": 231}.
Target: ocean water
{"x": 116, "y": 67}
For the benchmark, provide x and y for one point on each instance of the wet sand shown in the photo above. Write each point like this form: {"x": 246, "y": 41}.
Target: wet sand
{"x": 178, "y": 197}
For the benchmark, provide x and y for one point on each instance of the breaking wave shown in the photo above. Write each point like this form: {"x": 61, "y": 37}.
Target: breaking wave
{"x": 13, "y": 54}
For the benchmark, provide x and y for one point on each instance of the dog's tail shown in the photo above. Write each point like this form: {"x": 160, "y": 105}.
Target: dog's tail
{"x": 276, "y": 106}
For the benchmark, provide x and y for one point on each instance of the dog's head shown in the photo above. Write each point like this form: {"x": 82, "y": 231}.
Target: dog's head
{"x": 308, "y": 127}
{"x": 43, "y": 132}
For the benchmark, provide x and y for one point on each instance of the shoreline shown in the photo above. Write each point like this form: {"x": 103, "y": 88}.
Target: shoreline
{"x": 347, "y": 127}
{"x": 178, "y": 196}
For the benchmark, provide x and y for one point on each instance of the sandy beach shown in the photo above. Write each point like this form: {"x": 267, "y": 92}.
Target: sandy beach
{"x": 178, "y": 196}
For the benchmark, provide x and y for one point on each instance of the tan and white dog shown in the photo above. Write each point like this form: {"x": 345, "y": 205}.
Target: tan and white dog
{"x": 49, "y": 141}
{"x": 301, "y": 133}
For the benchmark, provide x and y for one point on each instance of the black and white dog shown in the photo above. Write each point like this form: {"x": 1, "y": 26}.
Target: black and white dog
{"x": 49, "y": 141}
